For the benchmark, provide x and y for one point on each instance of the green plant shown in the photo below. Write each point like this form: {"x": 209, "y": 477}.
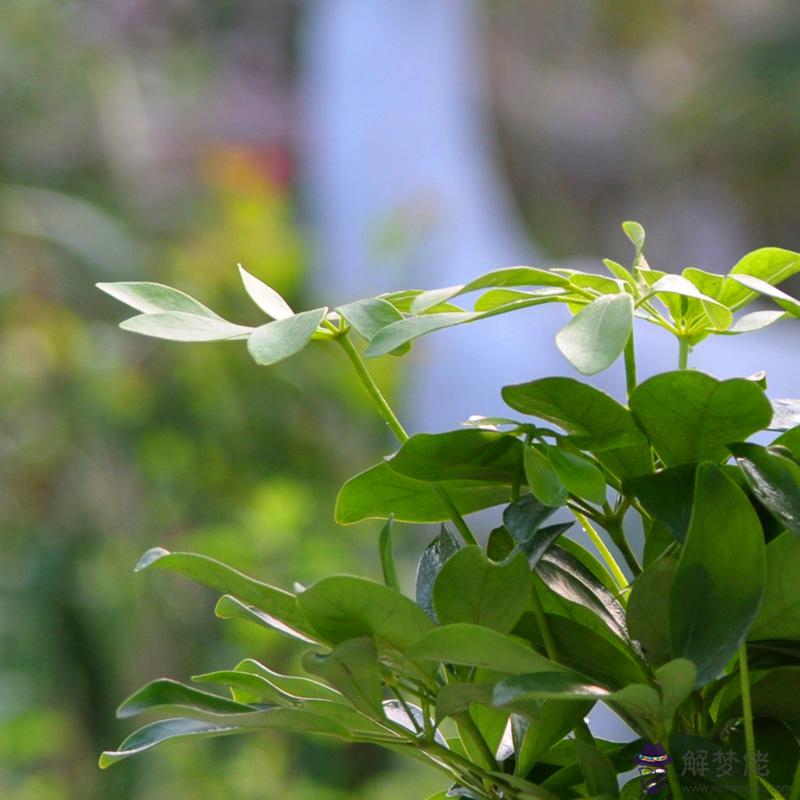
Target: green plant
{"x": 489, "y": 672}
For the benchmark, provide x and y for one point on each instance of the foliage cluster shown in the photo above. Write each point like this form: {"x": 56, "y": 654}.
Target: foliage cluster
{"x": 488, "y": 673}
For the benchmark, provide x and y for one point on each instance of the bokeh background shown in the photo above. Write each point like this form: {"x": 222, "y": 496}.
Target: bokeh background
{"x": 335, "y": 147}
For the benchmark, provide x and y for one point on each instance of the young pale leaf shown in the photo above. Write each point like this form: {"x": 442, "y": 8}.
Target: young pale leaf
{"x": 770, "y": 264}
{"x": 690, "y": 416}
{"x": 247, "y": 685}
{"x": 597, "y": 334}
{"x": 578, "y": 475}
{"x": 581, "y": 409}
{"x": 387, "y": 556}
{"x": 476, "y": 646}
{"x": 433, "y": 558}
{"x": 635, "y": 232}
{"x": 543, "y": 479}
{"x": 756, "y": 321}
{"x": 470, "y": 588}
{"x": 154, "y": 298}
{"x": 510, "y": 276}
{"x": 779, "y": 615}
{"x": 282, "y": 338}
{"x": 369, "y": 316}
{"x": 788, "y": 303}
{"x": 347, "y": 607}
{"x": 351, "y": 668}
{"x": 467, "y": 454}
{"x": 619, "y": 272}
{"x": 178, "y": 326}
{"x": 774, "y": 479}
{"x": 724, "y": 563}
{"x": 265, "y": 297}
{"x": 297, "y": 687}
{"x": 163, "y": 731}
{"x": 718, "y": 313}
{"x": 280, "y": 606}
{"x": 648, "y": 610}
{"x": 380, "y": 491}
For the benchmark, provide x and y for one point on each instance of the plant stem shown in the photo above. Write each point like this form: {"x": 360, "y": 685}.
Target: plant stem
{"x": 388, "y": 415}
{"x": 468, "y": 728}
{"x": 614, "y": 527}
{"x": 674, "y": 782}
{"x": 630, "y": 365}
{"x": 605, "y": 553}
{"x": 380, "y": 402}
{"x": 544, "y": 628}
{"x": 683, "y": 352}
{"x": 794, "y": 794}
{"x": 747, "y": 716}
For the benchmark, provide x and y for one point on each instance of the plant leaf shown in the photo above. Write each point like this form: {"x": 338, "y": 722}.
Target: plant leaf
{"x": 228, "y": 607}
{"x": 755, "y": 321}
{"x": 351, "y": 668}
{"x": 265, "y": 297}
{"x": 770, "y": 264}
{"x": 676, "y": 679}
{"x": 297, "y": 687}
{"x": 380, "y": 491}
{"x": 455, "y": 698}
{"x": 578, "y": 475}
{"x": 779, "y": 615}
{"x": 581, "y": 409}
{"x": 468, "y": 454}
{"x": 668, "y": 496}
{"x": 280, "y": 606}
{"x": 599, "y": 774}
{"x": 282, "y": 338}
{"x": 545, "y": 484}
{"x": 430, "y": 565}
{"x": 523, "y": 517}
{"x": 724, "y": 563}
{"x": 246, "y": 685}
{"x": 690, "y": 416}
{"x": 370, "y": 315}
{"x": 774, "y": 479}
{"x": 476, "y": 646}
{"x": 178, "y": 326}
{"x": 471, "y": 588}
{"x": 170, "y": 696}
{"x": 387, "y": 557}
{"x": 648, "y": 609}
{"x": 347, "y": 607}
{"x": 153, "y": 298}
{"x": 510, "y": 692}
{"x": 597, "y": 334}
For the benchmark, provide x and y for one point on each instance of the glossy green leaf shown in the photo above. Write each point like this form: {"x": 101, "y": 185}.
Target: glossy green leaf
{"x": 779, "y": 615}
{"x": 667, "y": 495}
{"x": 642, "y": 703}
{"x": 293, "y": 685}
{"x": 581, "y": 409}
{"x": 774, "y": 479}
{"x": 542, "y": 478}
{"x": 282, "y": 338}
{"x": 265, "y": 297}
{"x": 599, "y": 774}
{"x": 770, "y": 264}
{"x": 380, "y": 491}
{"x": 510, "y": 276}
{"x": 597, "y": 334}
{"x": 387, "y": 556}
{"x": 469, "y": 454}
{"x": 723, "y": 562}
{"x": 351, "y": 668}
{"x": 278, "y": 605}
{"x": 228, "y": 607}
{"x": 788, "y": 303}
{"x": 456, "y": 698}
{"x": 247, "y": 687}
{"x": 539, "y": 542}
{"x": 178, "y": 326}
{"x": 756, "y": 321}
{"x": 430, "y": 565}
{"x": 648, "y": 610}
{"x": 347, "y": 607}
{"x": 154, "y": 298}
{"x": 511, "y": 692}
{"x": 476, "y": 646}
{"x": 675, "y": 679}
{"x": 471, "y": 588}
{"x": 170, "y": 696}
{"x": 578, "y": 475}
{"x": 523, "y": 517}
{"x": 568, "y": 578}
{"x": 164, "y": 731}
{"x": 702, "y": 414}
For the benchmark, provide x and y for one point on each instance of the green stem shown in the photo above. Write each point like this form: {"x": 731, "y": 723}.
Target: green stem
{"x": 747, "y": 717}
{"x": 388, "y": 415}
{"x": 544, "y": 628}
{"x": 630, "y": 365}
{"x": 683, "y": 352}
{"x": 605, "y": 553}
{"x": 468, "y": 728}
{"x": 614, "y": 527}
{"x": 674, "y": 782}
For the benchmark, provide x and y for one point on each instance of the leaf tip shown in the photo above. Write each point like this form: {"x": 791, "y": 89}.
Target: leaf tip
{"x": 150, "y": 557}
